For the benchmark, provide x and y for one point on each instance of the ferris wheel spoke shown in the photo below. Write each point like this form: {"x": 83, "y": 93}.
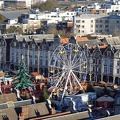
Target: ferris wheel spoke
{"x": 78, "y": 65}
{"x": 56, "y": 85}
{"x": 76, "y": 61}
{"x": 73, "y": 58}
{"x": 56, "y": 67}
{"x": 77, "y": 81}
{"x": 62, "y": 61}
{"x": 57, "y": 74}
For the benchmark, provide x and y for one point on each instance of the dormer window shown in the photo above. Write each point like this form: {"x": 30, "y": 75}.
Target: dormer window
{"x": 109, "y": 54}
{"x": 33, "y": 46}
{"x": 23, "y": 44}
{"x": 14, "y": 43}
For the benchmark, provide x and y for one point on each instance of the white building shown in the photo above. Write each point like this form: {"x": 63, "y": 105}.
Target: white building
{"x": 1, "y": 4}
{"x": 95, "y": 24}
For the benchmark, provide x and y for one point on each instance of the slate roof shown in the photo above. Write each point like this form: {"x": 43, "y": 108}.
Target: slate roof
{"x": 90, "y": 43}
{"x": 37, "y": 37}
{"x": 112, "y": 40}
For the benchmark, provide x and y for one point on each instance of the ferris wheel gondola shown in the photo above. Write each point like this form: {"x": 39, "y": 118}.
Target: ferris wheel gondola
{"x": 68, "y": 65}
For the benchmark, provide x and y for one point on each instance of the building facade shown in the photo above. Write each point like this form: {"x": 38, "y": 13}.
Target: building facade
{"x": 103, "y": 62}
{"x": 95, "y": 24}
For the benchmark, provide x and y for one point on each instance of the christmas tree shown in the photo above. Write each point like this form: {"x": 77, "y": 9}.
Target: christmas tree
{"x": 22, "y": 80}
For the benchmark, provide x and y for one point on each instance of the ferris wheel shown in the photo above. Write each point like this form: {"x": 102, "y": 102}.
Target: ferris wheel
{"x": 67, "y": 67}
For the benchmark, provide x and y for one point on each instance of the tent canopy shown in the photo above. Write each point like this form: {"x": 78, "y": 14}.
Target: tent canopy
{"x": 105, "y": 98}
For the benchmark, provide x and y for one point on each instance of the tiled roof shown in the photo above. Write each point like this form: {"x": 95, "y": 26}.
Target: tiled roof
{"x": 35, "y": 74}
{"x": 64, "y": 40}
{"x": 81, "y": 38}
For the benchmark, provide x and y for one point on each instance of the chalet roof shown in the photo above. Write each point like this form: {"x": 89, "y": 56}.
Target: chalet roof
{"x": 8, "y": 114}
{"x": 8, "y": 97}
{"x": 34, "y": 110}
{"x": 115, "y": 117}
{"x": 75, "y": 116}
{"x": 37, "y": 110}
{"x": 113, "y": 40}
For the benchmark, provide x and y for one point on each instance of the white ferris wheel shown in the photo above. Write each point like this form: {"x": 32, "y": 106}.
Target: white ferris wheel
{"x": 67, "y": 68}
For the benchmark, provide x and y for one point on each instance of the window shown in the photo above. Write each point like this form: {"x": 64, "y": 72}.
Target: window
{"x": 118, "y": 63}
{"x": 117, "y": 21}
{"x": 96, "y": 25}
{"x": 106, "y": 26}
{"x": 98, "y": 69}
{"x": 99, "y": 61}
{"x": 83, "y": 21}
{"x": 106, "y": 21}
{"x": 78, "y": 26}
{"x": 94, "y": 61}
{"x": 111, "y": 70}
{"x": 93, "y": 68}
{"x": 91, "y": 26}
{"x": 100, "y": 21}
{"x": 100, "y": 26}
{"x": 91, "y": 21}
{"x": 111, "y": 63}
{"x": 118, "y": 71}
{"x": 97, "y": 21}
{"x": 105, "y": 69}
{"x": 82, "y": 31}
{"x": 82, "y": 26}
{"x": 77, "y": 21}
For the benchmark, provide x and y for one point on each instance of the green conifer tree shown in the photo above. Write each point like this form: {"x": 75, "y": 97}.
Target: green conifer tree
{"x": 22, "y": 80}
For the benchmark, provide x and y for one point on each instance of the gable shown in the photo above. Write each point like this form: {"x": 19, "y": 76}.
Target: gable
{"x": 109, "y": 52}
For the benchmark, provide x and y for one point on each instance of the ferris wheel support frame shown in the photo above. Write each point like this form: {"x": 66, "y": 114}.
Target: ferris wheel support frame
{"x": 65, "y": 86}
{"x": 56, "y": 85}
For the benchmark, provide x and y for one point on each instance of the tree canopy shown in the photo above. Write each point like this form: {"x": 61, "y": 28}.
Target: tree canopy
{"x": 22, "y": 80}
{"x": 47, "y": 6}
